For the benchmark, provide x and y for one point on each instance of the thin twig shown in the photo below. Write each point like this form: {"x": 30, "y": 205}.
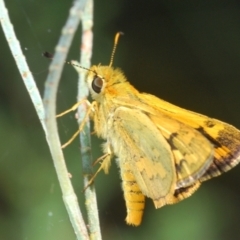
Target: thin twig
{"x": 51, "y": 85}
{"x": 21, "y": 63}
{"x": 85, "y": 136}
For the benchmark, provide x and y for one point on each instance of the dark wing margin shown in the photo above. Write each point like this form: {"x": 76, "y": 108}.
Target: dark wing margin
{"x": 226, "y": 149}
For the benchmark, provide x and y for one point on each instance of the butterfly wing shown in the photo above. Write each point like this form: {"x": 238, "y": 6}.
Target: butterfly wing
{"x": 224, "y": 137}
{"x": 137, "y": 143}
{"x": 193, "y": 153}
{"x": 161, "y": 158}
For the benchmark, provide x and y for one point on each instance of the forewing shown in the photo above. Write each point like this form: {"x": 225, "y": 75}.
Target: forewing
{"x": 224, "y": 137}
{"x": 193, "y": 153}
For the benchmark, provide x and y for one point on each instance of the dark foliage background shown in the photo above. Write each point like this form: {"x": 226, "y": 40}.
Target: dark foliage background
{"x": 186, "y": 52}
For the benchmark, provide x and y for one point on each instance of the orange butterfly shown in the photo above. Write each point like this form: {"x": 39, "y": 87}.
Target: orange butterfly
{"x": 164, "y": 152}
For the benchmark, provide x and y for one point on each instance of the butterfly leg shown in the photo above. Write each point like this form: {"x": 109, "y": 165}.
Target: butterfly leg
{"x": 105, "y": 164}
{"x": 90, "y": 109}
{"x": 74, "y": 107}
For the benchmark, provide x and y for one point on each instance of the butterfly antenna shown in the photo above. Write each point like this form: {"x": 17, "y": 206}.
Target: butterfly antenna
{"x": 114, "y": 47}
{"x": 50, "y": 56}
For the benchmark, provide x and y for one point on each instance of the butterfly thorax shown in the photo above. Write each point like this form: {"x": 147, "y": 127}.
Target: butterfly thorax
{"x": 114, "y": 86}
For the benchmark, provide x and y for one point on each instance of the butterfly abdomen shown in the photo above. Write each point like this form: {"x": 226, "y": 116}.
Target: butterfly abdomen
{"x": 135, "y": 200}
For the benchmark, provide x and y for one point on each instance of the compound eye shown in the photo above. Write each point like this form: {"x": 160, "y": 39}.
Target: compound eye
{"x": 97, "y": 84}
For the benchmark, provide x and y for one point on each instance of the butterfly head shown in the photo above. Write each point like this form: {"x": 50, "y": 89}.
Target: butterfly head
{"x": 104, "y": 80}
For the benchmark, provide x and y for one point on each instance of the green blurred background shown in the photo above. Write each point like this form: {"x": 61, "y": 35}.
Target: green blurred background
{"x": 186, "y": 52}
